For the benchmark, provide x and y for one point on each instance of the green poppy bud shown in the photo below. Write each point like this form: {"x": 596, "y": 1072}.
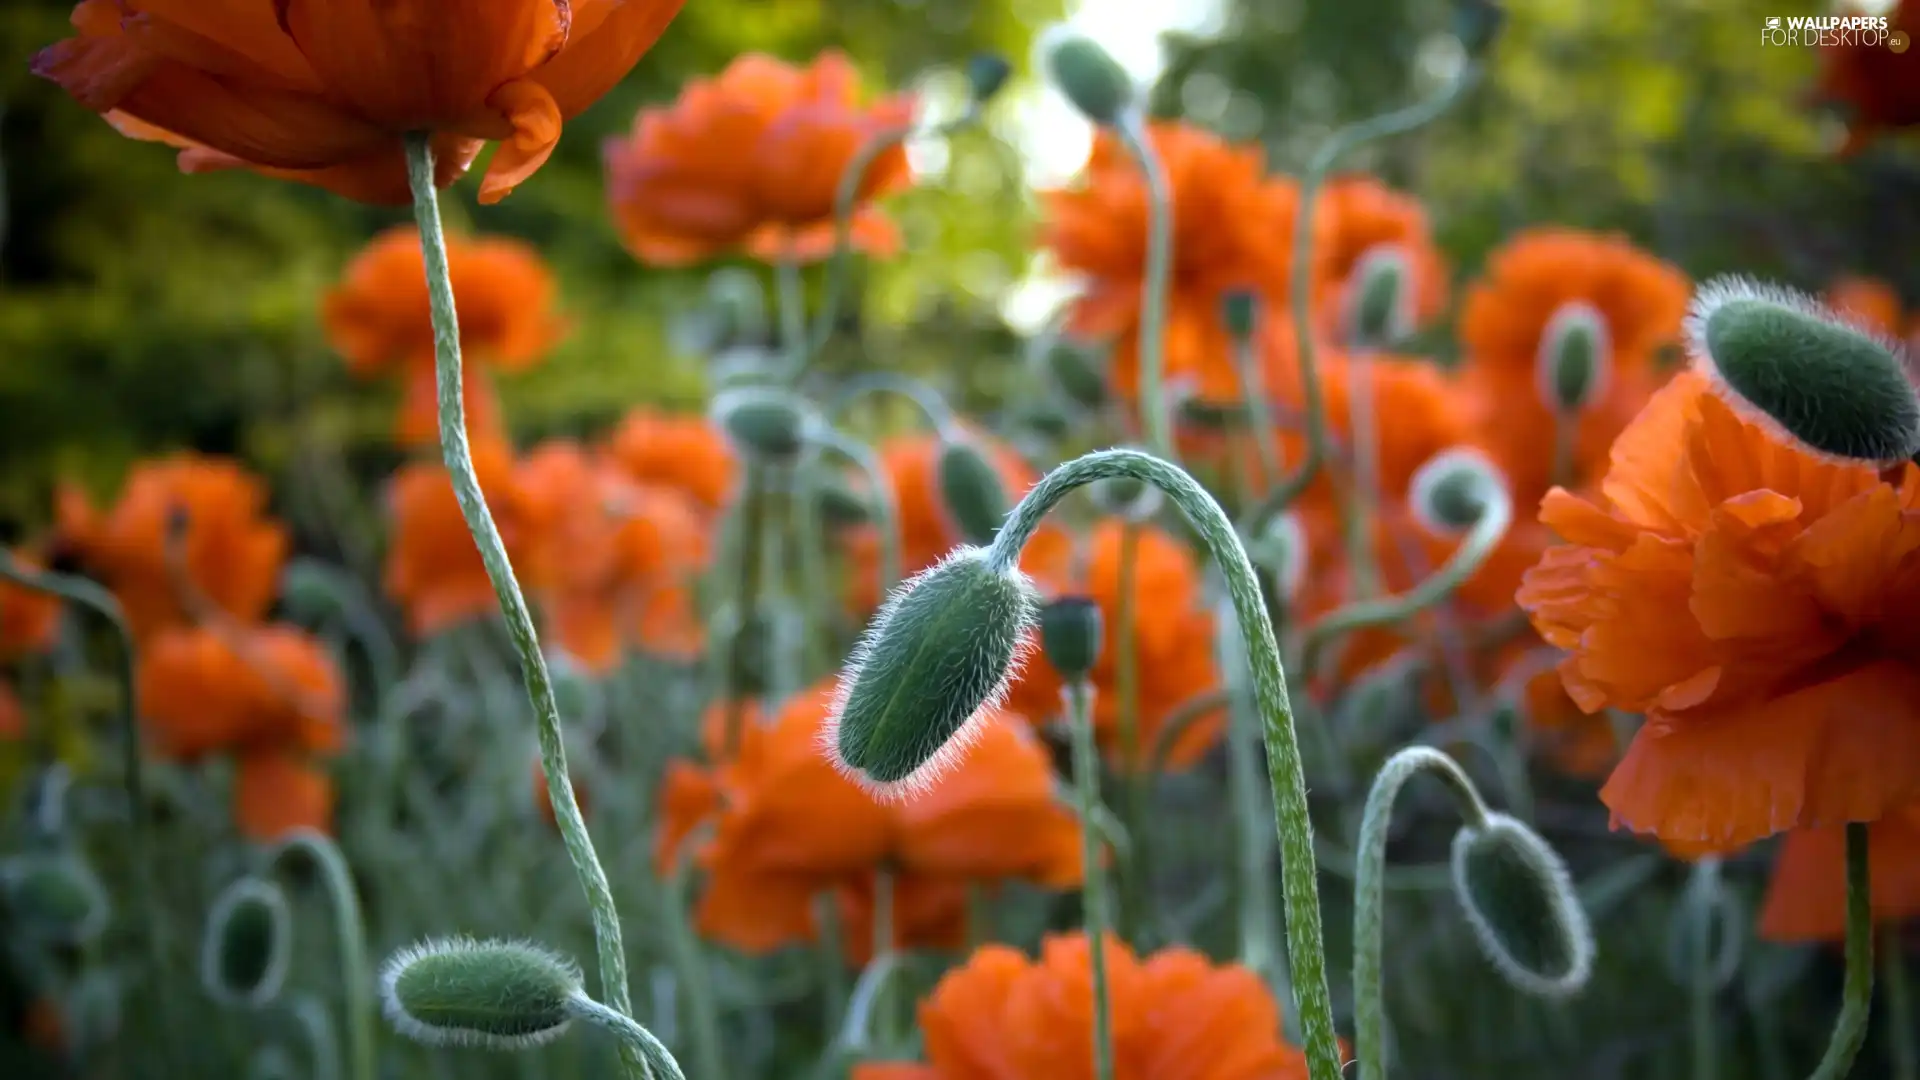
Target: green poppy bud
{"x": 54, "y": 898}
{"x": 1576, "y": 356}
{"x": 1240, "y": 312}
{"x": 1452, "y": 490}
{"x": 1076, "y": 370}
{"x": 1380, "y": 298}
{"x": 1090, "y": 78}
{"x": 971, "y": 491}
{"x": 937, "y": 658}
{"x": 1070, "y": 636}
{"x": 1477, "y": 24}
{"x": 840, "y": 506}
{"x": 987, "y": 72}
{"x": 501, "y": 995}
{"x": 247, "y": 945}
{"x": 1806, "y": 372}
{"x": 1522, "y": 906}
{"x": 768, "y": 423}
{"x": 1047, "y": 419}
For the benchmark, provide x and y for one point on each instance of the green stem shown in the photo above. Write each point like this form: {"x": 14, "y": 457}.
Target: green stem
{"x": 691, "y": 971}
{"x": 1301, "y": 277}
{"x": 1364, "y": 490}
{"x": 792, "y": 294}
{"x": 1850, "y": 1028}
{"x": 1465, "y": 561}
{"x": 1305, "y": 945}
{"x": 883, "y": 938}
{"x": 833, "y": 962}
{"x": 880, "y": 491}
{"x": 1153, "y": 301}
{"x": 1368, "y": 894}
{"x": 746, "y": 600}
{"x": 87, "y": 594}
{"x": 356, "y": 974}
{"x": 808, "y": 536}
{"x": 1702, "y": 986}
{"x": 1257, "y": 948}
{"x": 1133, "y": 779}
{"x": 513, "y": 605}
{"x": 1086, "y": 777}
{"x": 634, "y": 1039}
{"x": 1901, "y": 1021}
{"x": 1266, "y": 429}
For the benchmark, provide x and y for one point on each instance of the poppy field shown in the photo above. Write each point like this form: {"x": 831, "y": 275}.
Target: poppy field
{"x": 840, "y": 540}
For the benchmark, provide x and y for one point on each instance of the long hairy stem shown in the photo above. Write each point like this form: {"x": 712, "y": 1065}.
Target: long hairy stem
{"x": 1856, "y": 1000}
{"x": 1097, "y": 919}
{"x": 513, "y": 605}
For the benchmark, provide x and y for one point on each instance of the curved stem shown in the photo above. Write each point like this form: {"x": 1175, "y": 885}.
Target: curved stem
{"x": 634, "y": 1039}
{"x": 1180, "y": 721}
{"x": 1300, "y": 280}
{"x": 1153, "y": 301}
{"x": 932, "y": 409}
{"x": 880, "y": 491}
{"x": 856, "y": 1034}
{"x": 84, "y": 593}
{"x": 691, "y": 972}
{"x": 1133, "y": 780}
{"x": 513, "y": 605}
{"x": 1850, "y": 1028}
{"x": 1086, "y": 776}
{"x": 356, "y": 974}
{"x": 1257, "y": 949}
{"x": 1368, "y": 895}
{"x": 1306, "y": 948}
{"x": 1465, "y": 561}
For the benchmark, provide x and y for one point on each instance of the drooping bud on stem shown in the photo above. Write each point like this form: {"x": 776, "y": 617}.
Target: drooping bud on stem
{"x": 1070, "y": 636}
{"x": 1477, "y": 24}
{"x": 501, "y": 995}
{"x": 1522, "y": 906}
{"x": 1576, "y": 358}
{"x": 766, "y": 422}
{"x": 1379, "y": 302}
{"x": 1074, "y": 368}
{"x": 970, "y": 489}
{"x": 1240, "y": 313}
{"x": 1090, "y": 78}
{"x": 53, "y": 898}
{"x": 939, "y": 656}
{"x": 987, "y": 73}
{"x": 1804, "y": 371}
{"x": 248, "y": 944}
{"x": 1451, "y": 492}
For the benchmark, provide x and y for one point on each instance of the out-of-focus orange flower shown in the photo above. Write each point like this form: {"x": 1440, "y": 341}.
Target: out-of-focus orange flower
{"x": 751, "y": 161}
{"x": 1807, "y": 898}
{"x": 1173, "y": 646}
{"x": 787, "y": 827}
{"x": 277, "y": 790}
{"x": 1232, "y": 229}
{"x": 13, "y": 717}
{"x": 1641, "y": 302}
{"x": 1875, "y": 304}
{"x": 231, "y": 553}
{"x": 683, "y": 452}
{"x": 1357, "y": 216}
{"x": 1176, "y": 1016}
{"x": 928, "y": 913}
{"x": 378, "y": 318}
{"x": 1751, "y": 600}
{"x": 45, "y": 1026}
{"x": 29, "y": 618}
{"x": 926, "y": 528}
{"x": 433, "y": 569}
{"x": 206, "y": 690}
{"x": 617, "y": 557}
{"x": 322, "y": 93}
{"x": 1878, "y": 88}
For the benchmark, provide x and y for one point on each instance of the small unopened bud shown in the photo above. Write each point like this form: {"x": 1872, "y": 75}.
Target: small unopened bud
{"x": 840, "y": 506}
{"x": 1522, "y": 907}
{"x": 1380, "y": 298}
{"x": 1576, "y": 355}
{"x": 501, "y": 995}
{"x": 1070, "y": 636}
{"x": 1477, "y": 24}
{"x": 1042, "y": 417}
{"x": 1240, "y": 313}
{"x": 768, "y": 423}
{"x": 1280, "y": 548}
{"x": 735, "y": 312}
{"x": 1075, "y": 369}
{"x": 248, "y": 944}
{"x": 987, "y": 73}
{"x": 971, "y": 490}
{"x": 1805, "y": 371}
{"x": 1090, "y": 78}
{"x": 1452, "y": 490}
{"x": 54, "y": 898}
{"x": 179, "y": 521}
{"x": 937, "y": 658}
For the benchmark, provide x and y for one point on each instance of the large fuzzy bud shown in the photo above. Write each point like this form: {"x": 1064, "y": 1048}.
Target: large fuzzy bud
{"x": 1522, "y": 906}
{"x": 502, "y": 995}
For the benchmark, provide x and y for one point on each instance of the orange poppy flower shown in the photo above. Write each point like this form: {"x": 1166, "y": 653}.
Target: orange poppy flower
{"x": 29, "y": 618}
{"x": 686, "y": 453}
{"x": 13, "y": 716}
{"x": 206, "y": 690}
{"x": 1641, "y": 302}
{"x": 276, "y": 791}
{"x": 322, "y": 93}
{"x": 378, "y": 319}
{"x": 231, "y": 552}
{"x": 433, "y": 569}
{"x": 1176, "y": 1016}
{"x": 617, "y": 557}
{"x": 1232, "y": 229}
{"x": 1359, "y": 216}
{"x": 1878, "y": 88}
{"x": 1807, "y": 898}
{"x": 787, "y": 827}
{"x": 751, "y": 161}
{"x": 1173, "y": 645}
{"x": 1750, "y": 598}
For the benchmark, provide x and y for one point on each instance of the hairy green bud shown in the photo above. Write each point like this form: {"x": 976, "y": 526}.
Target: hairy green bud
{"x": 501, "y": 995}
{"x": 987, "y": 73}
{"x": 971, "y": 491}
{"x": 1070, "y": 636}
{"x": 1379, "y": 301}
{"x": 936, "y": 660}
{"x": 766, "y": 422}
{"x": 54, "y": 898}
{"x": 1522, "y": 906}
{"x": 247, "y": 945}
{"x": 1090, "y": 78}
{"x": 1451, "y": 491}
{"x": 1576, "y": 357}
{"x": 1804, "y": 371}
